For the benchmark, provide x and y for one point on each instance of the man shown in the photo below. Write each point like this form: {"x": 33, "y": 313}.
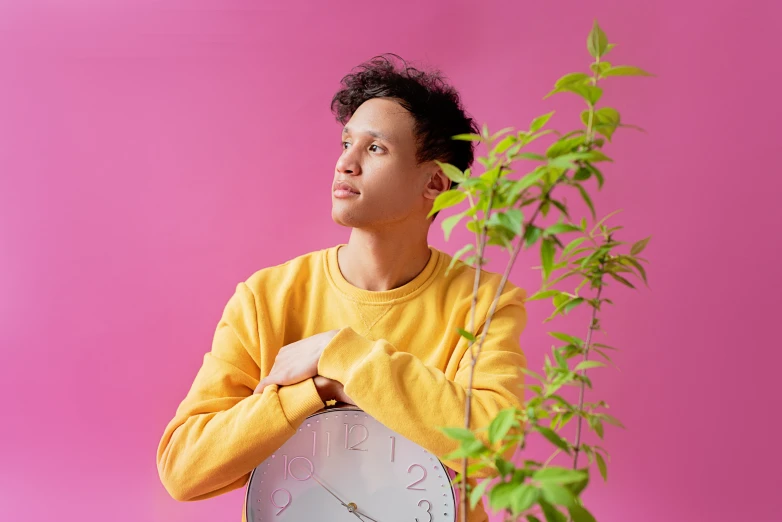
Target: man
{"x": 372, "y": 322}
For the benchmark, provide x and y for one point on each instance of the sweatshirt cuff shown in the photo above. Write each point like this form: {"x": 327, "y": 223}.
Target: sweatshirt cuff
{"x": 299, "y": 401}
{"x": 342, "y": 354}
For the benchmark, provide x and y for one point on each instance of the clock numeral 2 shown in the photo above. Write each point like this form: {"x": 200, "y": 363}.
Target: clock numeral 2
{"x": 409, "y": 470}
{"x": 349, "y": 430}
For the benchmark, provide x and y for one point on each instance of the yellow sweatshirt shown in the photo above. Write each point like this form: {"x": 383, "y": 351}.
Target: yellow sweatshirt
{"x": 398, "y": 355}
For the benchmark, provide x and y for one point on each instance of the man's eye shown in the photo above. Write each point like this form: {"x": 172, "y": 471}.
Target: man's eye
{"x": 373, "y": 145}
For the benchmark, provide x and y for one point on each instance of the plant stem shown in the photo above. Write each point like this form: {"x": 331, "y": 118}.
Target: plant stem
{"x": 505, "y": 275}
{"x": 587, "y": 344}
{"x": 473, "y": 356}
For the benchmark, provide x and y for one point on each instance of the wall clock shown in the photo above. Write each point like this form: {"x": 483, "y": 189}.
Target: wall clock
{"x": 344, "y": 465}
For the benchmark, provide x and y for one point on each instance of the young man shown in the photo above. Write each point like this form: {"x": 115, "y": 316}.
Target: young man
{"x": 372, "y": 322}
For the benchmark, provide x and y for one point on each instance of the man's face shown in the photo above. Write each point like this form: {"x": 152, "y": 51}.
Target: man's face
{"x": 381, "y": 168}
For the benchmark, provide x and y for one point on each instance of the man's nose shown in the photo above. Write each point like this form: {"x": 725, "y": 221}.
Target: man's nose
{"x": 348, "y": 164}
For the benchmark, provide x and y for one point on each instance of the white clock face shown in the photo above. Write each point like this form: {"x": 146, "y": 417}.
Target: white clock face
{"x": 343, "y": 465}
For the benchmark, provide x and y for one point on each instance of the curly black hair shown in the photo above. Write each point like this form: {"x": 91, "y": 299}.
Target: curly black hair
{"x": 434, "y": 105}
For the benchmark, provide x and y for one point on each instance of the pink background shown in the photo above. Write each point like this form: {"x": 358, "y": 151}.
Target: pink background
{"x": 153, "y": 154}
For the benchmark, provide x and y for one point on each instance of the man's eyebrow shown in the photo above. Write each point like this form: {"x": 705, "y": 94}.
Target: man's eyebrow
{"x": 376, "y": 134}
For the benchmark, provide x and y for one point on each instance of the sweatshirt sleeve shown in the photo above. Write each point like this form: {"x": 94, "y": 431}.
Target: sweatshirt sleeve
{"x": 414, "y": 399}
{"x": 221, "y": 431}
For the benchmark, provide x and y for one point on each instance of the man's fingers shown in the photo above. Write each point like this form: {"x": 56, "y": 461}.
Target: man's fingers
{"x": 263, "y": 384}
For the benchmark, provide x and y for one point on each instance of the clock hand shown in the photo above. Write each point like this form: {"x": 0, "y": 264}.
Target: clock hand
{"x": 363, "y": 515}
{"x": 327, "y": 489}
{"x": 351, "y": 507}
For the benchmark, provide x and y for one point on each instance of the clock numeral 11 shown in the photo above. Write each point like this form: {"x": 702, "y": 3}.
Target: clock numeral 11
{"x": 315, "y": 443}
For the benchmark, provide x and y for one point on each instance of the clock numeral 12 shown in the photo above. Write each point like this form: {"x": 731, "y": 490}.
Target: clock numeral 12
{"x": 349, "y": 430}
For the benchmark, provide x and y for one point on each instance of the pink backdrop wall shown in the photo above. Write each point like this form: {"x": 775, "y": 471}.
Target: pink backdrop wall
{"x": 153, "y": 154}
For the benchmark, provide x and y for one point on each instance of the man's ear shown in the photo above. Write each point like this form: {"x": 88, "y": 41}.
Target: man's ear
{"x": 437, "y": 184}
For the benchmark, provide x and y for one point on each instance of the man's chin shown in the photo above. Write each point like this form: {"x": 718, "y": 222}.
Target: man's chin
{"x": 343, "y": 219}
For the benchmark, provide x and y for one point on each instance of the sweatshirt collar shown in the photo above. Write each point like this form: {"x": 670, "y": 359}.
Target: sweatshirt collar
{"x": 406, "y": 291}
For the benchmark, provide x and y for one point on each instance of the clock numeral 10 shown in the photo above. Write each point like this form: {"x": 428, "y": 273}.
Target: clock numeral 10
{"x": 289, "y": 468}
{"x": 349, "y": 430}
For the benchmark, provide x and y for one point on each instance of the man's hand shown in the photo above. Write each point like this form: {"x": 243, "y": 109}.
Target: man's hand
{"x": 297, "y": 361}
{"x": 329, "y": 389}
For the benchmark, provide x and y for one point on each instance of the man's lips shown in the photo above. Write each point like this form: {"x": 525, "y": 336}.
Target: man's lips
{"x": 342, "y": 188}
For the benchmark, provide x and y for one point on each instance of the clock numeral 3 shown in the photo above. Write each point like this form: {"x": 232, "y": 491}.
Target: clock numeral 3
{"x": 409, "y": 470}
{"x": 348, "y": 431}
{"x": 428, "y": 509}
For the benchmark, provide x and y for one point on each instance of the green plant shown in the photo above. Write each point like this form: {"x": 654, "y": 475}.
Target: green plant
{"x": 496, "y": 216}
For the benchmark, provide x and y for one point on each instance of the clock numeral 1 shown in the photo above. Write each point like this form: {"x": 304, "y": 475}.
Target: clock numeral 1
{"x": 393, "y": 447}
{"x": 314, "y": 441}
{"x": 328, "y": 444}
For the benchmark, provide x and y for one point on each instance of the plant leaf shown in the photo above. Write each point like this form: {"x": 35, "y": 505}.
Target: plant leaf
{"x": 467, "y": 335}
{"x": 453, "y": 173}
{"x": 626, "y": 70}
{"x": 556, "y": 494}
{"x": 501, "y": 424}
{"x": 638, "y": 247}
{"x": 540, "y": 121}
{"x": 580, "y": 514}
{"x": 460, "y": 434}
{"x": 477, "y": 493}
{"x": 523, "y": 497}
{"x": 447, "y": 199}
{"x": 558, "y": 474}
{"x": 601, "y": 465}
{"x": 467, "y": 137}
{"x": 450, "y": 222}
{"x": 555, "y": 439}
{"x": 597, "y": 42}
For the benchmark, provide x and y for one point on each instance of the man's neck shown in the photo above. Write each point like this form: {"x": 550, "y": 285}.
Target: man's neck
{"x": 374, "y": 262}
